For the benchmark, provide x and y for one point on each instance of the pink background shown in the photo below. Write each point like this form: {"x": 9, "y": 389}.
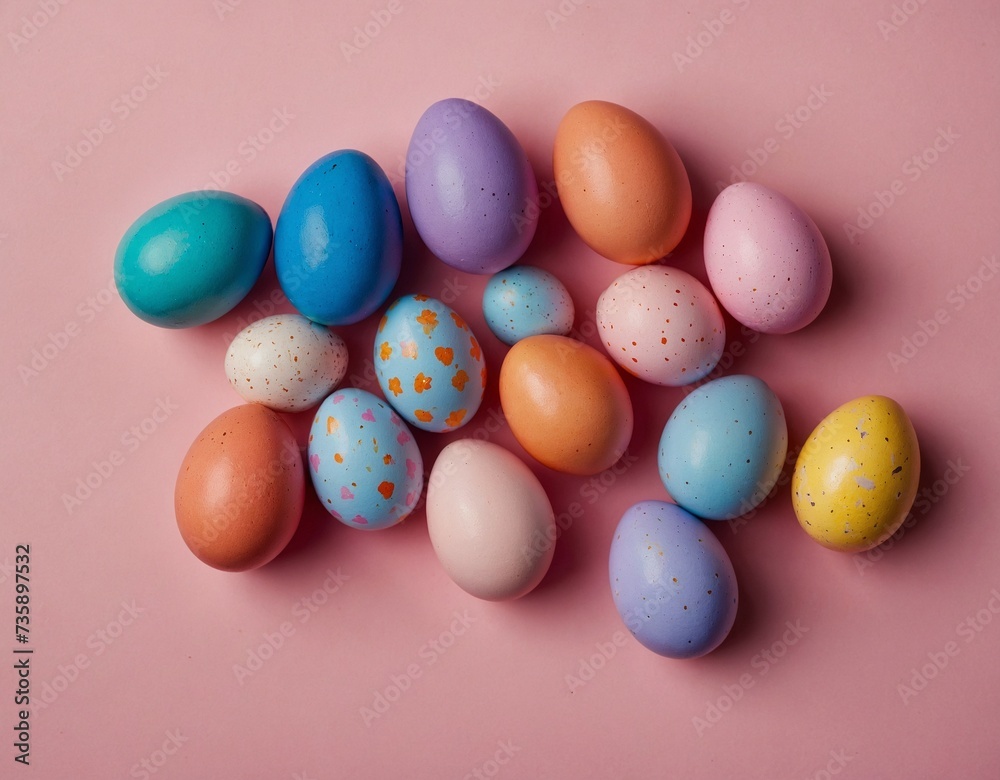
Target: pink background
{"x": 119, "y": 686}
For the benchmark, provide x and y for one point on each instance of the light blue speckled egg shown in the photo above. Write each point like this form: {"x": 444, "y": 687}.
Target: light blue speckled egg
{"x": 722, "y": 449}
{"x": 363, "y": 460}
{"x": 526, "y": 301}
{"x": 429, "y": 364}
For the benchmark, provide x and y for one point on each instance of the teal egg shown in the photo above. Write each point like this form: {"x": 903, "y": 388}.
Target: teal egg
{"x": 192, "y": 258}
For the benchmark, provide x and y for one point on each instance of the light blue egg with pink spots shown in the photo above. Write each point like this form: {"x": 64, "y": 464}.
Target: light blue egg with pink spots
{"x": 363, "y": 460}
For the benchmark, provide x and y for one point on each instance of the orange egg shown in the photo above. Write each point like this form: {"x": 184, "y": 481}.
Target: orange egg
{"x": 622, "y": 185}
{"x": 566, "y": 404}
{"x": 241, "y": 489}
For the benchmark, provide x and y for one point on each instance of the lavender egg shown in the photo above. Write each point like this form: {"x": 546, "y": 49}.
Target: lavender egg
{"x": 672, "y": 581}
{"x": 470, "y": 188}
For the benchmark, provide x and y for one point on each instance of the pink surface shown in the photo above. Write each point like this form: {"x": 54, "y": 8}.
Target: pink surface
{"x": 872, "y": 83}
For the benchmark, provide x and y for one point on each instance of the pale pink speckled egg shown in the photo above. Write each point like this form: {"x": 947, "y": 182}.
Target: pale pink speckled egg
{"x": 661, "y": 325}
{"x": 767, "y": 261}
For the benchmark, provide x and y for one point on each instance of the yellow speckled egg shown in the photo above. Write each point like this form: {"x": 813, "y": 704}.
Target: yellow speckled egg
{"x": 856, "y": 476}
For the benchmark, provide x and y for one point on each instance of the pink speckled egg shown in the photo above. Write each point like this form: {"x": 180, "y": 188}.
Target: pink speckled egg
{"x": 661, "y": 325}
{"x": 766, "y": 259}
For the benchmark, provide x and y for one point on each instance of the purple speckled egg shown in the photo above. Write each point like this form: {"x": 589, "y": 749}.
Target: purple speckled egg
{"x": 671, "y": 580}
{"x": 767, "y": 261}
{"x": 470, "y": 188}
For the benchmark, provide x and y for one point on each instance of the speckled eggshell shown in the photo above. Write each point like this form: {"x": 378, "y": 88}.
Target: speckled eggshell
{"x": 470, "y": 188}
{"x": 622, "y": 185}
{"x": 767, "y": 261}
{"x": 661, "y": 325}
{"x": 566, "y": 404}
{"x": 240, "y": 490}
{"x": 286, "y": 362}
{"x": 489, "y": 519}
{"x": 857, "y": 475}
{"x": 526, "y": 301}
{"x": 363, "y": 460}
{"x": 429, "y": 364}
{"x": 672, "y": 581}
{"x": 723, "y": 447}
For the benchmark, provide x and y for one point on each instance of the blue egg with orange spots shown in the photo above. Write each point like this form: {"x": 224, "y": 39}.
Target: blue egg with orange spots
{"x": 429, "y": 364}
{"x": 364, "y": 461}
{"x": 526, "y": 301}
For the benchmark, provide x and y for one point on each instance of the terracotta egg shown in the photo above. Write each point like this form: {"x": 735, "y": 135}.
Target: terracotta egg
{"x": 566, "y": 404}
{"x": 622, "y": 185}
{"x": 241, "y": 489}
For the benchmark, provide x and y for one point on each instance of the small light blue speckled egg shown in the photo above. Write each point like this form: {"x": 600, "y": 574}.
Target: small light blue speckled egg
{"x": 526, "y": 301}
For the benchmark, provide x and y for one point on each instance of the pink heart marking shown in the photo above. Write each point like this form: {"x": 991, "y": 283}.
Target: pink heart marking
{"x": 411, "y": 468}
{"x": 403, "y": 437}
{"x": 337, "y": 399}
{"x": 314, "y": 461}
{"x": 359, "y": 520}
{"x": 411, "y": 498}
{"x": 346, "y": 494}
{"x": 368, "y": 415}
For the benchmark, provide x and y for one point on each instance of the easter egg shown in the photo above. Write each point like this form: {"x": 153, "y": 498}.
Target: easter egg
{"x": 286, "y": 362}
{"x": 470, "y": 188}
{"x": 363, "y": 460}
{"x": 622, "y": 185}
{"x": 566, "y": 404}
{"x": 240, "y": 490}
{"x": 857, "y": 475}
{"x": 525, "y": 301}
{"x": 338, "y": 243}
{"x": 672, "y": 581}
{"x": 723, "y": 447}
{"x": 489, "y": 519}
{"x": 766, "y": 260}
{"x": 192, "y": 258}
{"x": 661, "y": 325}
{"x": 429, "y": 364}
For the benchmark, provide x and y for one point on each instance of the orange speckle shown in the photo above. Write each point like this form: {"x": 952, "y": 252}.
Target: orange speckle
{"x": 476, "y": 352}
{"x": 331, "y": 424}
{"x": 420, "y": 298}
{"x": 387, "y": 460}
{"x": 386, "y": 489}
{"x": 482, "y": 376}
{"x": 408, "y": 349}
{"x": 444, "y": 354}
{"x": 395, "y": 387}
{"x": 421, "y": 382}
{"x": 458, "y": 381}
{"x": 381, "y": 323}
{"x": 338, "y": 457}
{"x": 385, "y": 351}
{"x": 429, "y": 320}
{"x": 423, "y": 416}
{"x": 458, "y": 320}
{"x": 454, "y": 419}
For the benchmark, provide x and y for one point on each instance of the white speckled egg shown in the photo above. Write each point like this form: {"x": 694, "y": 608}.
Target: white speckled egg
{"x": 429, "y": 364}
{"x": 766, "y": 259}
{"x": 661, "y": 325}
{"x": 526, "y": 301}
{"x": 286, "y": 362}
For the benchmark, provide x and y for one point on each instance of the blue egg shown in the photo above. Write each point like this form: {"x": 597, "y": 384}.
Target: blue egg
{"x": 192, "y": 258}
{"x": 429, "y": 364}
{"x": 526, "y": 301}
{"x": 671, "y": 580}
{"x": 722, "y": 449}
{"x": 338, "y": 243}
{"x": 363, "y": 460}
